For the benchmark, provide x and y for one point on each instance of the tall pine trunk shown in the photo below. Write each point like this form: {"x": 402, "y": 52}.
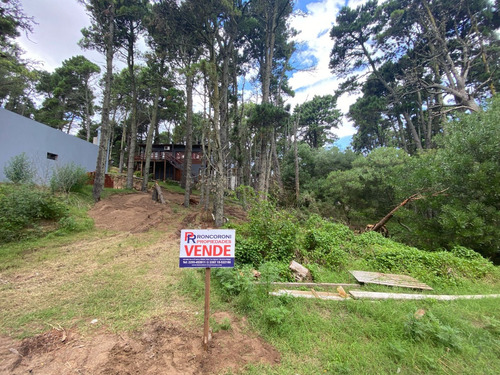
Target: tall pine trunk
{"x": 133, "y": 125}
{"x": 105, "y": 125}
{"x": 149, "y": 137}
{"x": 189, "y": 138}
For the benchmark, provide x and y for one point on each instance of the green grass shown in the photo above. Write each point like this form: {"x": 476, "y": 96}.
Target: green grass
{"x": 120, "y": 280}
{"x": 381, "y": 337}
{"x": 70, "y": 278}
{"x": 362, "y": 337}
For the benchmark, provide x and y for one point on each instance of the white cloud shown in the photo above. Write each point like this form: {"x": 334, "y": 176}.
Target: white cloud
{"x": 56, "y": 37}
{"x": 314, "y": 31}
{"x": 57, "y": 32}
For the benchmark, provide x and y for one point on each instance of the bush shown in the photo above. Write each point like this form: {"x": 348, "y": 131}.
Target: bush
{"x": 19, "y": 169}
{"x": 269, "y": 235}
{"x": 233, "y": 281}
{"x": 325, "y": 242}
{"x": 68, "y": 177}
{"x": 22, "y": 208}
{"x": 426, "y": 265}
{"x": 429, "y": 328}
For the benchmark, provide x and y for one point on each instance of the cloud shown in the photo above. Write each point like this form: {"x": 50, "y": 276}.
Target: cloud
{"x": 315, "y": 45}
{"x": 56, "y": 34}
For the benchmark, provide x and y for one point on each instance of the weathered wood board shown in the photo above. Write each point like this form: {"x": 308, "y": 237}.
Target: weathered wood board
{"x": 389, "y": 279}
{"x": 309, "y": 294}
{"x": 404, "y": 296}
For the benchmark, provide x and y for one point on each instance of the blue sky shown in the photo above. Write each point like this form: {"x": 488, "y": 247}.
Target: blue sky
{"x": 57, "y": 33}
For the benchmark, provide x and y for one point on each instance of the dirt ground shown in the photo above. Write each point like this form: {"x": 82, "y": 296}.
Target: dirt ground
{"x": 169, "y": 344}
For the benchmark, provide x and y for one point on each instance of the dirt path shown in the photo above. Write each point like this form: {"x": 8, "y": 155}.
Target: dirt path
{"x": 170, "y": 340}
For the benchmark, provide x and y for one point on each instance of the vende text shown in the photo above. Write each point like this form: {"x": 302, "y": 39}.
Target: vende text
{"x": 210, "y": 250}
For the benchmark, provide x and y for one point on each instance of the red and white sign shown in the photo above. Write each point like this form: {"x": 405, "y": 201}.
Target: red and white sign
{"x": 207, "y": 248}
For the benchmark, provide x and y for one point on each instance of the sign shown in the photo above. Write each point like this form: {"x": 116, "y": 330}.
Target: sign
{"x": 207, "y": 248}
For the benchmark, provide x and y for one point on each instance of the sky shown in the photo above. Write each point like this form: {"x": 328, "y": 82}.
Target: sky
{"x": 57, "y": 32}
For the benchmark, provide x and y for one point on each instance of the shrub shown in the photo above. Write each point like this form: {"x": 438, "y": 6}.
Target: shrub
{"x": 269, "y": 235}
{"x": 68, "y": 177}
{"x": 19, "y": 169}
{"x": 427, "y": 265}
{"x": 429, "y": 328}
{"x": 23, "y": 207}
{"x": 325, "y": 242}
{"x": 233, "y": 281}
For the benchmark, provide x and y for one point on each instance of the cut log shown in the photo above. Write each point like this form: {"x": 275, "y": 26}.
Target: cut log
{"x": 311, "y": 285}
{"x": 403, "y": 296}
{"x": 300, "y": 272}
{"x": 157, "y": 194}
{"x": 309, "y": 294}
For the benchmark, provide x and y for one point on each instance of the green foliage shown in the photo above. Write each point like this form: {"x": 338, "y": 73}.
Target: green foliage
{"x": 269, "y": 235}
{"x": 270, "y": 240}
{"x": 275, "y": 316}
{"x": 365, "y": 193}
{"x": 233, "y": 281}
{"x": 74, "y": 223}
{"x": 68, "y": 93}
{"x": 314, "y": 166}
{"x": 324, "y": 242}
{"x": 275, "y": 271}
{"x": 431, "y": 329}
{"x": 467, "y": 170}
{"x": 316, "y": 119}
{"x": 385, "y": 255}
{"x": 22, "y": 208}
{"x": 19, "y": 169}
{"x": 68, "y": 177}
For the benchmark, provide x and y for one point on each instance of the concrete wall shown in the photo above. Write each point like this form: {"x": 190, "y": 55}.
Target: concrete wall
{"x": 19, "y": 134}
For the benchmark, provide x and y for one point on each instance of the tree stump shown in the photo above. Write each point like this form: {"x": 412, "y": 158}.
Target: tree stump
{"x": 157, "y": 194}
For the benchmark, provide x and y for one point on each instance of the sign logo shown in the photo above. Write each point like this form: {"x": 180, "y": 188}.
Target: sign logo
{"x": 189, "y": 236}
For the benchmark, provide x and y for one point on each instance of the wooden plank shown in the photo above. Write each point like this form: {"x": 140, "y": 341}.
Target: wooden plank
{"x": 308, "y": 294}
{"x": 313, "y": 285}
{"x": 404, "y": 296}
{"x": 389, "y": 279}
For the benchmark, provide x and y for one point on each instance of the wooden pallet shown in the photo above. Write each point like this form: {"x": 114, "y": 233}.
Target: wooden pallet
{"x": 388, "y": 279}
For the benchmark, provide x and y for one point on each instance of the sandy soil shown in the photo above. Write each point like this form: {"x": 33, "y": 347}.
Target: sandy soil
{"x": 168, "y": 344}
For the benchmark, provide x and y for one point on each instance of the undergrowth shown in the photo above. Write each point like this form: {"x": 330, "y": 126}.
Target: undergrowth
{"x": 273, "y": 235}
{"x": 29, "y": 212}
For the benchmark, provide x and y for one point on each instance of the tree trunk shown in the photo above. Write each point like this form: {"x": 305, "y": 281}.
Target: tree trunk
{"x": 271, "y": 19}
{"x": 87, "y": 121}
{"x": 103, "y": 143}
{"x": 276, "y": 164}
{"x": 296, "y": 159}
{"x": 122, "y": 146}
{"x": 149, "y": 137}
{"x": 189, "y": 137}
{"x": 133, "y": 125}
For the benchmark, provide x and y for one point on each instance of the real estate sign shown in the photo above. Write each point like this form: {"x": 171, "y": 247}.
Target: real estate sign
{"x": 207, "y": 248}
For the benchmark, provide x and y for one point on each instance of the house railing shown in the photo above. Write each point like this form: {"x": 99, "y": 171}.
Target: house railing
{"x": 161, "y": 156}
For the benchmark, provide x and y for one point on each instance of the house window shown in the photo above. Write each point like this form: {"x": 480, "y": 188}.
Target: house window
{"x": 166, "y": 148}
{"x": 51, "y": 156}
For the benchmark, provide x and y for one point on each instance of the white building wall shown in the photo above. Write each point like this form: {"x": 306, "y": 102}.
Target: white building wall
{"x": 19, "y": 134}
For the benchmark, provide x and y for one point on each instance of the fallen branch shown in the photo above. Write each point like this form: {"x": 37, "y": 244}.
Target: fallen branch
{"x": 380, "y": 226}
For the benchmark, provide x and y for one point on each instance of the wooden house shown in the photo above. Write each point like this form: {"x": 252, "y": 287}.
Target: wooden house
{"x": 167, "y": 161}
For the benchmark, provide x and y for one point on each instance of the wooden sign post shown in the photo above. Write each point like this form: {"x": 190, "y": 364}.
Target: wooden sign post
{"x": 206, "y": 324}
{"x": 207, "y": 248}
